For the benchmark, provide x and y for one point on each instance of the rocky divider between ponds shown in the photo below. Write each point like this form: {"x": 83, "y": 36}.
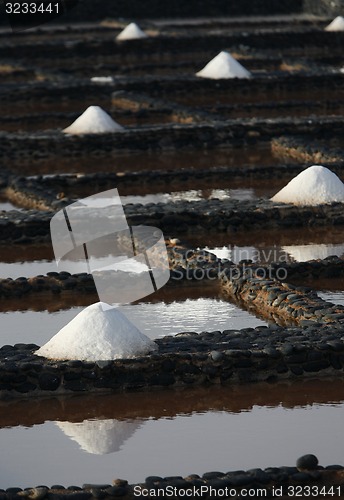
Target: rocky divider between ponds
{"x": 77, "y": 183}
{"x": 228, "y": 357}
{"x": 248, "y": 355}
{"x": 286, "y": 481}
{"x": 186, "y": 265}
{"x": 308, "y": 149}
{"x": 20, "y": 148}
{"x": 181, "y": 218}
{"x": 274, "y": 298}
{"x": 193, "y": 91}
{"x": 168, "y": 92}
{"x": 169, "y": 41}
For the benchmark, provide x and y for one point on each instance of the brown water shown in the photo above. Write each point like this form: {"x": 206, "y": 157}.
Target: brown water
{"x": 189, "y": 187}
{"x": 226, "y": 97}
{"x": 49, "y": 121}
{"x": 169, "y": 433}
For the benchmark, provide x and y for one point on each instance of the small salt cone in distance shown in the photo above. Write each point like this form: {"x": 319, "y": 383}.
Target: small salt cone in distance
{"x": 314, "y": 186}
{"x": 336, "y": 25}
{"x": 224, "y": 66}
{"x": 93, "y": 121}
{"x": 131, "y": 32}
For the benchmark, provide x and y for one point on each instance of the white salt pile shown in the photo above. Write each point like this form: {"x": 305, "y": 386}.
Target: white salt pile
{"x": 336, "y": 25}
{"x": 100, "y": 436}
{"x": 99, "y": 332}
{"x": 224, "y": 66}
{"x": 131, "y": 32}
{"x": 93, "y": 121}
{"x": 313, "y": 186}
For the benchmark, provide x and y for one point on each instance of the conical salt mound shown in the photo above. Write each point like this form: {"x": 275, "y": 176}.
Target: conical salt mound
{"x": 99, "y": 332}
{"x": 131, "y": 32}
{"x": 224, "y": 66}
{"x": 313, "y": 186}
{"x": 336, "y": 25}
{"x": 93, "y": 121}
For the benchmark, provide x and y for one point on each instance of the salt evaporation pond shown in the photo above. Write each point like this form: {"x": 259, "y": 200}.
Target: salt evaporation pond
{"x": 267, "y": 254}
{"x": 264, "y": 253}
{"x": 154, "y": 319}
{"x": 191, "y": 195}
{"x": 223, "y": 429}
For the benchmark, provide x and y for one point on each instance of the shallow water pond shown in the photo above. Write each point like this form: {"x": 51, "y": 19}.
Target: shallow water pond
{"x": 169, "y": 433}
{"x": 154, "y": 319}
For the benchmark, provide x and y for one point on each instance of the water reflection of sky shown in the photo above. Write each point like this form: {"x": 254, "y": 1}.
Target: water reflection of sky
{"x": 191, "y": 195}
{"x": 153, "y": 319}
{"x": 259, "y": 253}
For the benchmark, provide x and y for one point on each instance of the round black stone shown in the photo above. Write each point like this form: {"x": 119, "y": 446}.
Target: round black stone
{"x": 309, "y": 462}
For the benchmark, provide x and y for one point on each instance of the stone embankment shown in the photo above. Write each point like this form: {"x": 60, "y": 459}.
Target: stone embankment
{"x": 190, "y": 358}
{"x": 284, "y": 482}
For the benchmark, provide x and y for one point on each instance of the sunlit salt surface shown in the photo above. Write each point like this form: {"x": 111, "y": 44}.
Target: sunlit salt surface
{"x": 224, "y": 430}
{"x": 153, "y": 319}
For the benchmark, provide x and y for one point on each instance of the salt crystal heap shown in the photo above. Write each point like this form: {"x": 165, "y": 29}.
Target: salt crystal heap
{"x": 93, "y": 121}
{"x": 336, "y": 25}
{"x": 131, "y": 32}
{"x": 100, "y": 332}
{"x": 313, "y": 186}
{"x": 224, "y": 66}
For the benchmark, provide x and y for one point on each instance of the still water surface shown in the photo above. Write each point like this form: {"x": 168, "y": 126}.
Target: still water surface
{"x": 97, "y": 439}
{"x": 154, "y": 319}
